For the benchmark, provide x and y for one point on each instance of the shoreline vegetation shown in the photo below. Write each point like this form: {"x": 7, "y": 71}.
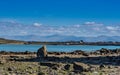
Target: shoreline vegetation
{"x": 78, "y": 62}
{"x": 81, "y": 42}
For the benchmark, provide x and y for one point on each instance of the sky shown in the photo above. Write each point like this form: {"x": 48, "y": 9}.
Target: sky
{"x": 60, "y": 17}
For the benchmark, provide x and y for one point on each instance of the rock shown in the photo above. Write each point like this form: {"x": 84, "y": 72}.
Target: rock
{"x": 104, "y": 51}
{"x": 41, "y": 73}
{"x": 110, "y": 67}
{"x": 102, "y": 66}
{"x": 52, "y": 65}
{"x": 77, "y": 52}
{"x": 49, "y": 64}
{"x": 80, "y": 52}
{"x": 58, "y": 53}
{"x": 2, "y": 61}
{"x": 80, "y": 67}
{"x": 42, "y": 52}
{"x": 67, "y": 67}
{"x": 55, "y": 67}
{"x": 71, "y": 73}
{"x": 10, "y": 68}
{"x": 53, "y": 58}
{"x": 85, "y": 54}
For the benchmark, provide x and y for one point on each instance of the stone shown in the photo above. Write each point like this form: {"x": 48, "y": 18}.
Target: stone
{"x": 92, "y": 68}
{"x": 110, "y": 67}
{"x": 102, "y": 66}
{"x": 2, "y": 61}
{"x": 55, "y": 67}
{"x": 71, "y": 73}
{"x": 42, "y": 52}
{"x": 80, "y": 67}
{"x": 67, "y": 67}
{"x": 52, "y": 65}
{"x": 41, "y": 73}
{"x": 85, "y": 54}
{"x": 104, "y": 51}
{"x": 49, "y": 64}
{"x": 10, "y": 68}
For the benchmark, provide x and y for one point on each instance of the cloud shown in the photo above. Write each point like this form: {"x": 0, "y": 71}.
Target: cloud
{"x": 96, "y": 29}
{"x": 89, "y": 23}
{"x": 37, "y": 24}
{"x": 77, "y": 25}
{"x": 112, "y": 28}
{"x": 90, "y": 29}
{"x": 92, "y": 23}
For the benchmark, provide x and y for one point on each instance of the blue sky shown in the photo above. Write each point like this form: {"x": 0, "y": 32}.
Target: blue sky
{"x": 61, "y": 11}
{"x": 87, "y": 15}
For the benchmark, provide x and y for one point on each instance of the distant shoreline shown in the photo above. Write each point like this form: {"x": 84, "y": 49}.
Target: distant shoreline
{"x": 81, "y": 42}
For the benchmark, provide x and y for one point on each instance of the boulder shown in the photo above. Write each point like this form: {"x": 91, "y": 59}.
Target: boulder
{"x": 42, "y": 52}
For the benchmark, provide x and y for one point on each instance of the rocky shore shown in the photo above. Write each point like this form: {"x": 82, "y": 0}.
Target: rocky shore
{"x": 78, "y": 62}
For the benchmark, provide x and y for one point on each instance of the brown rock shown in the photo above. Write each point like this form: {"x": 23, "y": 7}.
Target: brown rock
{"x": 42, "y": 52}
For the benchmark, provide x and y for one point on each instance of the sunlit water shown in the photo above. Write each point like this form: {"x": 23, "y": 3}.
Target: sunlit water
{"x": 51, "y": 48}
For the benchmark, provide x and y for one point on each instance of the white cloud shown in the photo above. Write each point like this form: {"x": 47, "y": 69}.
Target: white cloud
{"x": 91, "y": 29}
{"x": 112, "y": 28}
{"x": 89, "y": 23}
{"x": 37, "y": 24}
{"x": 93, "y": 23}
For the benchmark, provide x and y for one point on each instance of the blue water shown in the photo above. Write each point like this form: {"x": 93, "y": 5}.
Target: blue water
{"x": 58, "y": 48}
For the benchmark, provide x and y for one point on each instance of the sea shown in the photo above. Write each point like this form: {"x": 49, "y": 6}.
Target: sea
{"x": 52, "y": 48}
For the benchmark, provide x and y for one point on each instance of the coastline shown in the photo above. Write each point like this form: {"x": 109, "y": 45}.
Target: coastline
{"x": 101, "y": 62}
{"x": 99, "y": 43}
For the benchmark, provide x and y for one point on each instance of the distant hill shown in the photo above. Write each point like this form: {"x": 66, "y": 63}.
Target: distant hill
{"x": 64, "y": 38}
{"x": 6, "y": 41}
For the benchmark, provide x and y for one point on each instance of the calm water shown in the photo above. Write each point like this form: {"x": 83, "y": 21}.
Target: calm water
{"x": 65, "y": 48}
